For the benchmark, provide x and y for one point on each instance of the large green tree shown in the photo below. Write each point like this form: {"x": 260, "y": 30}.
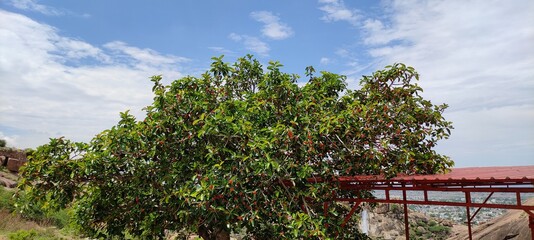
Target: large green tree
{"x": 234, "y": 149}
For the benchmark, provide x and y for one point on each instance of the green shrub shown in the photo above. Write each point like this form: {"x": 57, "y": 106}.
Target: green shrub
{"x": 439, "y": 229}
{"x": 60, "y": 218}
{"x": 32, "y": 235}
{"x": 419, "y": 232}
{"x": 6, "y": 199}
{"x": 29, "y": 211}
{"x": 23, "y": 235}
{"x": 395, "y": 208}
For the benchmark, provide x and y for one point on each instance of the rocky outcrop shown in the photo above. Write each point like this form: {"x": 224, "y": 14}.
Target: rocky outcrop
{"x": 8, "y": 180}
{"x": 513, "y": 225}
{"x": 12, "y": 158}
{"x": 13, "y": 153}
{"x": 386, "y": 221}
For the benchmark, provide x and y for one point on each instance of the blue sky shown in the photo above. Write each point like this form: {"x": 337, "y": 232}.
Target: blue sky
{"x": 67, "y": 68}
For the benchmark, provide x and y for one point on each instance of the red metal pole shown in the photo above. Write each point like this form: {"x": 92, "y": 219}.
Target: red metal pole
{"x": 478, "y": 210}
{"x": 347, "y": 218}
{"x": 531, "y": 223}
{"x": 468, "y": 213}
{"x": 406, "y": 224}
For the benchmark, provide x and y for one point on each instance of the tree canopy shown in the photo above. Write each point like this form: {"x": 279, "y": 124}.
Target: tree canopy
{"x": 233, "y": 151}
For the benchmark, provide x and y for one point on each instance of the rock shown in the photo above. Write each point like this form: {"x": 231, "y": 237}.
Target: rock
{"x": 14, "y": 164}
{"x": 420, "y": 229}
{"x": 14, "y": 153}
{"x": 447, "y": 223}
{"x": 381, "y": 209}
{"x": 7, "y": 182}
{"x": 3, "y": 161}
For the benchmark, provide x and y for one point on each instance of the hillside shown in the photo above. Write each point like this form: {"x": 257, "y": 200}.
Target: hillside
{"x": 511, "y": 226}
{"x": 386, "y": 221}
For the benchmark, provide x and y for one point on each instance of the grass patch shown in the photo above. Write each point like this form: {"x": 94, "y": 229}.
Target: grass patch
{"x": 33, "y": 235}
{"x": 13, "y": 222}
{"x": 15, "y": 227}
{"x": 6, "y": 199}
{"x": 23, "y": 235}
{"x": 36, "y": 226}
{"x": 439, "y": 229}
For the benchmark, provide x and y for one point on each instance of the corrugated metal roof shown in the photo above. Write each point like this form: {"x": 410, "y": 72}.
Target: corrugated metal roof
{"x": 459, "y": 174}
{"x": 476, "y": 173}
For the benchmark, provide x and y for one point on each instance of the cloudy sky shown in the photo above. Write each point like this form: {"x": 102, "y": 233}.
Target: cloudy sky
{"x": 67, "y": 68}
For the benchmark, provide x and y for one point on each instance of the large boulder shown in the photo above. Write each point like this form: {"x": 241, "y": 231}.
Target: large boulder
{"x": 14, "y": 164}
{"x": 12, "y": 158}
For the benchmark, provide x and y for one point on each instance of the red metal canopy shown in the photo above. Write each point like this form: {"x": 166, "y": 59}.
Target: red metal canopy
{"x": 515, "y": 180}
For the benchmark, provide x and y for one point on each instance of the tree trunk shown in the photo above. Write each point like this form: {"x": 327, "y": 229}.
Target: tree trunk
{"x": 213, "y": 233}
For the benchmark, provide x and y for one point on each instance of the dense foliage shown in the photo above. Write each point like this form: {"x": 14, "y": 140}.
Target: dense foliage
{"x": 233, "y": 150}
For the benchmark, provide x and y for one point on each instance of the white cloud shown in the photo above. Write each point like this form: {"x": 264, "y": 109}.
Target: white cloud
{"x": 324, "y": 61}
{"x": 221, "y": 50}
{"x": 32, "y": 5}
{"x": 11, "y": 141}
{"x": 477, "y": 56}
{"x": 273, "y": 28}
{"x": 53, "y": 85}
{"x": 251, "y": 43}
{"x": 335, "y": 10}
{"x": 235, "y": 37}
{"x": 143, "y": 58}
